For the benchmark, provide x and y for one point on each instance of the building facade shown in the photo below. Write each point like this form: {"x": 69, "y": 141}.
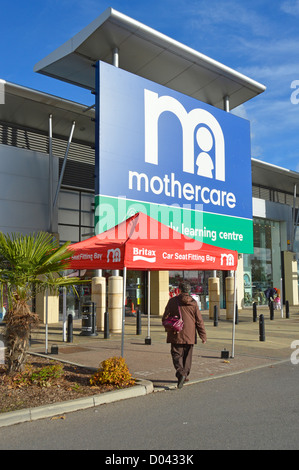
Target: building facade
{"x": 48, "y": 165}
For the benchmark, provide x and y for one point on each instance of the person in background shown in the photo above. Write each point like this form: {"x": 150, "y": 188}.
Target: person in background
{"x": 277, "y": 300}
{"x": 270, "y": 294}
{"x": 182, "y": 342}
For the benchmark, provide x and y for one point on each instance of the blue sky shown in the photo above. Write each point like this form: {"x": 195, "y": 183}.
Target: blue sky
{"x": 259, "y": 38}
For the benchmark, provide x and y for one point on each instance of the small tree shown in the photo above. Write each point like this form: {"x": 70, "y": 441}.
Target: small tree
{"x": 29, "y": 264}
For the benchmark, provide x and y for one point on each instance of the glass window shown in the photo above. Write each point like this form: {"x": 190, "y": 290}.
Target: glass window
{"x": 75, "y": 215}
{"x": 199, "y": 281}
{"x": 262, "y": 269}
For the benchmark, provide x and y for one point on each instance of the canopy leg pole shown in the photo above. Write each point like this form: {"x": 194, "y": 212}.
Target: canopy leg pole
{"x": 46, "y": 331}
{"x": 281, "y": 295}
{"x": 234, "y": 319}
{"x": 124, "y": 311}
{"x": 64, "y": 315}
{"x": 148, "y": 338}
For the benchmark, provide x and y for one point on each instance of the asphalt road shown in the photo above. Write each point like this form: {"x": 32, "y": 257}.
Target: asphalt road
{"x": 257, "y": 410}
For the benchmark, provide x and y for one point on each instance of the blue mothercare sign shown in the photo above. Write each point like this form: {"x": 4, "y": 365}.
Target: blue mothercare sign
{"x": 160, "y": 147}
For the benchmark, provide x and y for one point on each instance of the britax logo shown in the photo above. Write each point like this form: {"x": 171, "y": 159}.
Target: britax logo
{"x": 143, "y": 254}
{"x": 208, "y": 162}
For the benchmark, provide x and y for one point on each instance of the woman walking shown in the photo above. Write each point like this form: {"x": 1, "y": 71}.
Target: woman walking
{"x": 182, "y": 342}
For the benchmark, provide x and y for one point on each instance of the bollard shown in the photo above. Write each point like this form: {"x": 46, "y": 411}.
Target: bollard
{"x": 54, "y": 349}
{"x": 215, "y": 315}
{"x": 224, "y": 354}
{"x": 271, "y": 310}
{"x": 106, "y": 325}
{"x": 254, "y": 312}
{"x": 236, "y": 315}
{"x": 138, "y": 322}
{"x": 262, "y": 327}
{"x": 70, "y": 328}
{"x": 287, "y": 309}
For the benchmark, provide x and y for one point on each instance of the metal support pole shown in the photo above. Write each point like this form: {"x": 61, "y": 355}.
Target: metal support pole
{"x": 115, "y": 62}
{"x": 50, "y": 176}
{"x": 148, "y": 338}
{"x": 124, "y": 311}
{"x": 226, "y": 104}
{"x": 64, "y": 314}
{"x": 281, "y": 295}
{"x": 46, "y": 348}
{"x": 115, "y": 57}
{"x": 64, "y": 164}
{"x": 234, "y": 319}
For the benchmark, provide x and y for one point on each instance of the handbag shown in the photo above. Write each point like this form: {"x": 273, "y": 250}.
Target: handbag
{"x": 173, "y": 323}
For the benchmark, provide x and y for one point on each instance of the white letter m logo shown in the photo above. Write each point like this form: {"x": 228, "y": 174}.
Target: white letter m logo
{"x": 207, "y": 136}
{"x": 228, "y": 258}
{"x": 116, "y": 255}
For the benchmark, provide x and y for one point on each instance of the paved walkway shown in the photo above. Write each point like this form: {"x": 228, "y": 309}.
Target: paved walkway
{"x": 153, "y": 362}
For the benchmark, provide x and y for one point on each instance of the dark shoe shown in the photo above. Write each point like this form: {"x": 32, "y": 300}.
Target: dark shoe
{"x": 181, "y": 381}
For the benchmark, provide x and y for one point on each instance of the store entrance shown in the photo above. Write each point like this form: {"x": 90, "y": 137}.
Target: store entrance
{"x": 199, "y": 281}
{"x": 136, "y": 292}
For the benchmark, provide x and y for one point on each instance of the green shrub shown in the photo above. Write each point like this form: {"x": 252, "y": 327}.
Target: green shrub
{"x": 47, "y": 375}
{"x": 113, "y": 371}
{"x": 43, "y": 377}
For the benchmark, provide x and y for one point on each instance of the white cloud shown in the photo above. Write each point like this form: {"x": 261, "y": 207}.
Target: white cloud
{"x": 229, "y": 14}
{"x": 291, "y": 7}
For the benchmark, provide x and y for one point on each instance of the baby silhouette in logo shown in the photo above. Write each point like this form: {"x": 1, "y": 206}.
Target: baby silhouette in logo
{"x": 204, "y": 162}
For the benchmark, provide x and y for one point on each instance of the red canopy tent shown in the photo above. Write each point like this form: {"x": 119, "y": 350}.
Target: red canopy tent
{"x": 143, "y": 243}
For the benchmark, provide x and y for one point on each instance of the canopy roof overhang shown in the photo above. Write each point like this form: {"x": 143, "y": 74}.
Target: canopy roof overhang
{"x": 30, "y": 109}
{"x": 274, "y": 177}
{"x": 143, "y": 243}
{"x": 149, "y": 54}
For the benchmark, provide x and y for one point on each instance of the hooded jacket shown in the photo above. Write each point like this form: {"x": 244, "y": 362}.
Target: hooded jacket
{"x": 192, "y": 318}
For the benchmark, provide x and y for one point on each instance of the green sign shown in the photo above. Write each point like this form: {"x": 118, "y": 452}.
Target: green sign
{"x": 203, "y": 226}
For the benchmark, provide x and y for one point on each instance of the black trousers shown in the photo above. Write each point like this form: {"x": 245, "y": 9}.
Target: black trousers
{"x": 182, "y": 358}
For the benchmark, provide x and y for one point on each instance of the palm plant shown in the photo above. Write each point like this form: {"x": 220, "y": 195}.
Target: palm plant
{"x": 29, "y": 264}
